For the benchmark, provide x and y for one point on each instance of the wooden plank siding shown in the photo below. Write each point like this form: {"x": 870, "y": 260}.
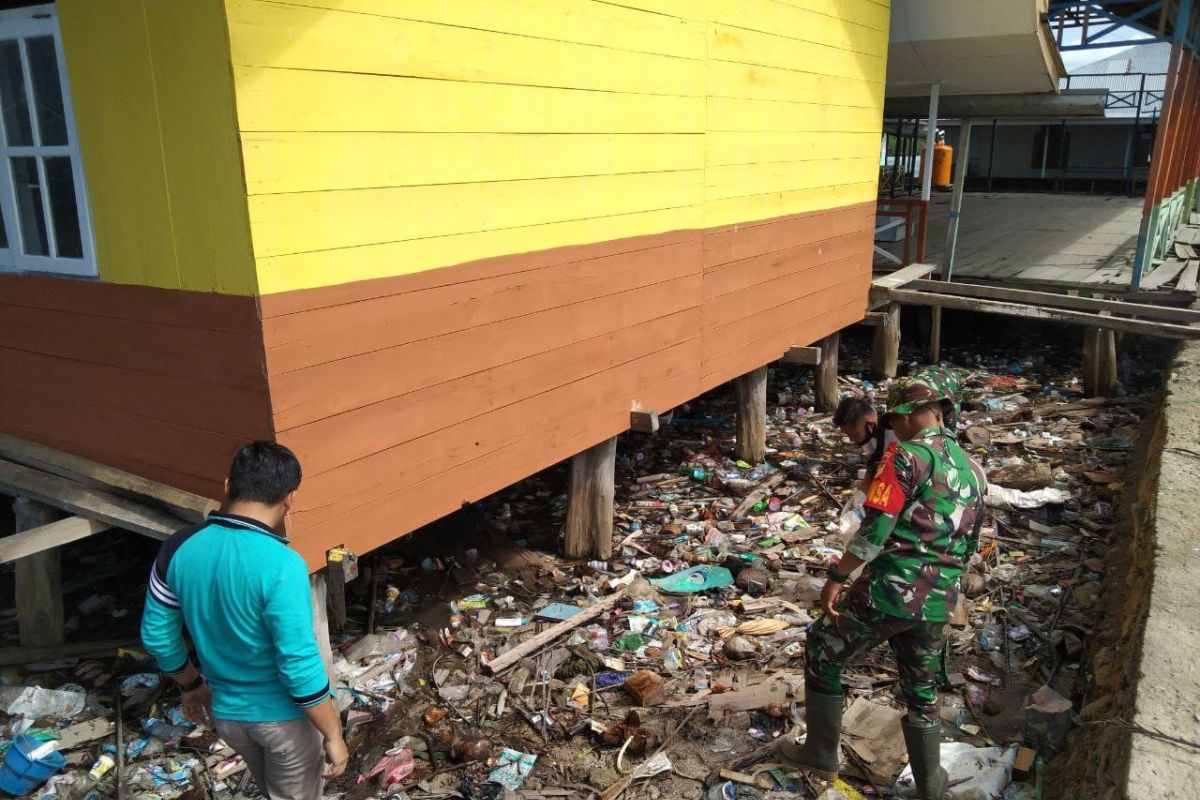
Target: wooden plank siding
{"x": 158, "y": 382}
{"x": 382, "y": 139}
{"x": 407, "y": 396}
{"x": 484, "y": 229}
{"x": 152, "y": 85}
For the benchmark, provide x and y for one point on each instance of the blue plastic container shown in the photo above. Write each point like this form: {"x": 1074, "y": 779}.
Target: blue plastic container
{"x": 20, "y": 775}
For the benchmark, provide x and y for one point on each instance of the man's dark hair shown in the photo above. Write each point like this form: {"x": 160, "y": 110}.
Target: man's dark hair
{"x": 851, "y": 410}
{"x": 265, "y": 472}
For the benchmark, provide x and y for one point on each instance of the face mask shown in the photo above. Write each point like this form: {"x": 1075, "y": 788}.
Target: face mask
{"x": 870, "y": 430}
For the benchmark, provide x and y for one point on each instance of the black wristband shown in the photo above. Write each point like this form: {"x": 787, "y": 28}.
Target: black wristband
{"x": 193, "y": 686}
{"x": 833, "y": 575}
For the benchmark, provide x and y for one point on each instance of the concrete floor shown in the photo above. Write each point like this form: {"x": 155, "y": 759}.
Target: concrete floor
{"x": 1168, "y": 691}
{"x": 1060, "y": 239}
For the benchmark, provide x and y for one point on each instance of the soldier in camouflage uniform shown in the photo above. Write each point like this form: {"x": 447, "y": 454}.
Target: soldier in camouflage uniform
{"x": 924, "y": 510}
{"x": 947, "y": 382}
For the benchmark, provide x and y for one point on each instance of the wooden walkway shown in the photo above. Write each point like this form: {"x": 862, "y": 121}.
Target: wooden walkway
{"x": 1048, "y": 239}
{"x": 1058, "y": 241}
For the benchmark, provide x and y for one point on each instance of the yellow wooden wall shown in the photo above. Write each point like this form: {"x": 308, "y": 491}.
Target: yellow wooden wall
{"x": 383, "y": 138}
{"x": 152, "y": 87}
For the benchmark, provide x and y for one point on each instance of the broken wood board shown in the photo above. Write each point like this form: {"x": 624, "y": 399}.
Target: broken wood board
{"x": 1188, "y": 278}
{"x": 540, "y": 640}
{"x": 873, "y": 732}
{"x": 45, "y": 537}
{"x": 761, "y": 492}
{"x": 1163, "y": 275}
{"x": 83, "y": 732}
{"x": 185, "y": 505}
{"x": 85, "y": 501}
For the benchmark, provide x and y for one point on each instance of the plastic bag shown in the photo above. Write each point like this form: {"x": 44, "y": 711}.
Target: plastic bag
{"x": 35, "y": 702}
{"x": 976, "y": 773}
{"x": 1006, "y": 498}
{"x": 852, "y": 514}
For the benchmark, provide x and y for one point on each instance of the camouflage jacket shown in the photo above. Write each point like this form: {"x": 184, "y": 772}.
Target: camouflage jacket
{"x": 924, "y": 510}
{"x": 947, "y": 381}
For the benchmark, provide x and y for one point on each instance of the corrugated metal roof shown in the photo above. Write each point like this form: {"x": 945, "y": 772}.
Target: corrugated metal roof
{"x": 1122, "y": 75}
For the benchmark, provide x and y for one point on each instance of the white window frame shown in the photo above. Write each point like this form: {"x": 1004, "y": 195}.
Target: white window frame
{"x": 22, "y": 24}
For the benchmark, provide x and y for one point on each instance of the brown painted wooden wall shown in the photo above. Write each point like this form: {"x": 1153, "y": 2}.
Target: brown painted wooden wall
{"x": 406, "y": 397}
{"x": 160, "y": 382}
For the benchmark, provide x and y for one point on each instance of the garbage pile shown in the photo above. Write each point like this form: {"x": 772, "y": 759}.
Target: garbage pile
{"x": 489, "y": 669}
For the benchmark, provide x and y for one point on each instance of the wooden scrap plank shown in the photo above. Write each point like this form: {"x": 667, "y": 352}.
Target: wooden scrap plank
{"x": 1165, "y": 273}
{"x": 803, "y": 355}
{"x": 57, "y": 533}
{"x": 1188, "y": 278}
{"x": 1145, "y": 327}
{"x": 1145, "y": 310}
{"x": 83, "y": 732}
{"x": 85, "y": 501}
{"x": 13, "y": 656}
{"x": 643, "y": 421}
{"x": 1185, "y": 251}
{"x": 775, "y": 689}
{"x": 187, "y": 506}
{"x": 538, "y": 641}
{"x": 901, "y": 277}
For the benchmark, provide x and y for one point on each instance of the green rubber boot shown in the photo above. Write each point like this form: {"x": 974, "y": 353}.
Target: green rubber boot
{"x": 924, "y": 742}
{"x": 819, "y": 753}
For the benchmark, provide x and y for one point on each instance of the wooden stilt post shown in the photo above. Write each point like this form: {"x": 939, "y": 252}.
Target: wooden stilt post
{"x": 316, "y": 583}
{"x": 885, "y": 352}
{"x": 1106, "y": 357}
{"x": 827, "y": 374}
{"x": 751, "y": 423}
{"x": 335, "y": 592}
{"x": 39, "y": 581}
{"x": 590, "y": 502}
{"x": 935, "y": 334}
{"x": 1091, "y": 361}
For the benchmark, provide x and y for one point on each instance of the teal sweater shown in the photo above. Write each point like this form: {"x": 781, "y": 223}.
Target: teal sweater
{"x": 245, "y": 599}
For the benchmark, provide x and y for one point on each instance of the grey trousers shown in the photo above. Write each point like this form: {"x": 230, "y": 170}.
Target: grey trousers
{"x": 285, "y": 758}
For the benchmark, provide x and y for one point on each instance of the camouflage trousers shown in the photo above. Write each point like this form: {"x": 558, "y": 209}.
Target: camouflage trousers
{"x": 859, "y": 628}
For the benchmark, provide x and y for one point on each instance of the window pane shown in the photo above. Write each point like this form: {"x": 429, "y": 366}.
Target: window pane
{"x": 47, "y": 91}
{"x": 29, "y": 206}
{"x": 61, "y": 182}
{"x": 12, "y": 96}
{"x": 3, "y": 234}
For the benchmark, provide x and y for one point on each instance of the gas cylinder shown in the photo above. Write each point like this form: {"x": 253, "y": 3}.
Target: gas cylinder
{"x": 943, "y": 160}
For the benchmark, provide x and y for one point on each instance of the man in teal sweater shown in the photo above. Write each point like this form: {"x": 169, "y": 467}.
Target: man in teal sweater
{"x": 244, "y": 597}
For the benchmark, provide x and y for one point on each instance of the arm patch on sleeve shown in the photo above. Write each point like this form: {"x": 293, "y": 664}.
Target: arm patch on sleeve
{"x": 885, "y": 493}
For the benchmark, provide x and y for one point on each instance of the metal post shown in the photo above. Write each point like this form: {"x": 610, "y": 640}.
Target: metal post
{"x": 960, "y": 179}
{"x": 1062, "y": 154}
{"x": 1045, "y": 148}
{"x": 930, "y": 141}
{"x": 895, "y": 157}
{"x": 1135, "y": 132}
{"x": 992, "y": 153}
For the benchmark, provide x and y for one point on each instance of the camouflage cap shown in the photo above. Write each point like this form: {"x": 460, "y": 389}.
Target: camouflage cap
{"x": 910, "y": 394}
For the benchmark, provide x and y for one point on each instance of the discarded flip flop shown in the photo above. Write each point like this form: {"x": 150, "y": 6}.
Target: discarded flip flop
{"x": 696, "y": 579}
